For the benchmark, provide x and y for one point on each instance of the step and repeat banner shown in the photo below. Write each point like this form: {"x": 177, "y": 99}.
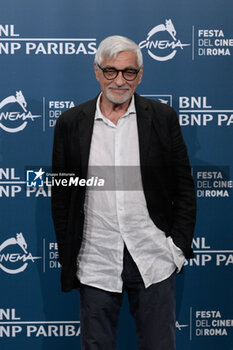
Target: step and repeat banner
{"x": 47, "y": 50}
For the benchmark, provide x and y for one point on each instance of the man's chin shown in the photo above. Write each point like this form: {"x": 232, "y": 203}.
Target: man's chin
{"x": 118, "y": 99}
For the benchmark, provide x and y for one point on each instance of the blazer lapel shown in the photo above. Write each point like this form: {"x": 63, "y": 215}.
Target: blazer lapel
{"x": 86, "y": 123}
{"x": 144, "y": 121}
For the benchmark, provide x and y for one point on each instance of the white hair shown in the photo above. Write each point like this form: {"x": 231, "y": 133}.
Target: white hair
{"x": 113, "y": 45}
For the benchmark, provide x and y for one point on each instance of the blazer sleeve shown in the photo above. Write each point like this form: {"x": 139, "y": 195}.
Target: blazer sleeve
{"x": 183, "y": 191}
{"x": 60, "y": 194}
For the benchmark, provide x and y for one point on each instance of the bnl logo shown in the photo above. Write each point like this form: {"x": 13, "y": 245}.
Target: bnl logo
{"x": 35, "y": 178}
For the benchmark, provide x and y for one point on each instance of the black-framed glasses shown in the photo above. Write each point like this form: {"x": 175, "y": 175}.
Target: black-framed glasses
{"x": 111, "y": 73}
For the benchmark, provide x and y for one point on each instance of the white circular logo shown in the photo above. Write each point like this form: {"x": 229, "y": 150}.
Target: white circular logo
{"x": 156, "y": 46}
{"x": 20, "y": 118}
{"x": 17, "y": 258}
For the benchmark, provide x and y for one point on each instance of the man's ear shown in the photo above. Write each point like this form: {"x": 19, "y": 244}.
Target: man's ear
{"x": 140, "y": 75}
{"x": 96, "y": 70}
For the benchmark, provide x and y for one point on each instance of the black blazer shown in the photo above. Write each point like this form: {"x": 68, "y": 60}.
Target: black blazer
{"x": 165, "y": 169}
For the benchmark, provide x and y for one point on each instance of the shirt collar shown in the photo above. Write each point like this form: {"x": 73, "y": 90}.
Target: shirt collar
{"x": 131, "y": 109}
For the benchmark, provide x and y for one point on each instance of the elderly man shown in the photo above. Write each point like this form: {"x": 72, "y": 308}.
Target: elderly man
{"x": 133, "y": 238}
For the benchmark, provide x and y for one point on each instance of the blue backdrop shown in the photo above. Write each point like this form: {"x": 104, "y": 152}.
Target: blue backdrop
{"x": 46, "y": 66}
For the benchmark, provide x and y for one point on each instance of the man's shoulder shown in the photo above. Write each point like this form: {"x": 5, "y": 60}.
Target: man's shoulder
{"x": 155, "y": 108}
{"x": 78, "y": 111}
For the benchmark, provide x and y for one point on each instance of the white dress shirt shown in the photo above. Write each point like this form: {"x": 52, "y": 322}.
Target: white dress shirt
{"x": 119, "y": 215}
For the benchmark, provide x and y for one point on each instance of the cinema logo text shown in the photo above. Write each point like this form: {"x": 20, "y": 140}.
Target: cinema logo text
{"x": 211, "y": 323}
{"x": 204, "y": 323}
{"x": 53, "y": 255}
{"x": 16, "y": 260}
{"x": 197, "y": 111}
{"x": 11, "y": 43}
{"x": 212, "y": 181}
{"x": 56, "y": 108}
{"x": 15, "y": 116}
{"x": 162, "y": 39}
{"x": 12, "y": 326}
{"x": 212, "y": 42}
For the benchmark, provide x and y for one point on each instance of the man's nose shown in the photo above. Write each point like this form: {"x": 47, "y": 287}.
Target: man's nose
{"x": 119, "y": 80}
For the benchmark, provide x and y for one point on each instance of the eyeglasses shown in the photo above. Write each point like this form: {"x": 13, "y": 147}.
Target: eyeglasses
{"x": 111, "y": 73}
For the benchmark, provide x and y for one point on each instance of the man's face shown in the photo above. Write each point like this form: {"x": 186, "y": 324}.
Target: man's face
{"x": 118, "y": 90}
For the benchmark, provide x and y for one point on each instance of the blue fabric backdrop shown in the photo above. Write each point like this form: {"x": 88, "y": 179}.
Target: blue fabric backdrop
{"x": 46, "y": 66}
